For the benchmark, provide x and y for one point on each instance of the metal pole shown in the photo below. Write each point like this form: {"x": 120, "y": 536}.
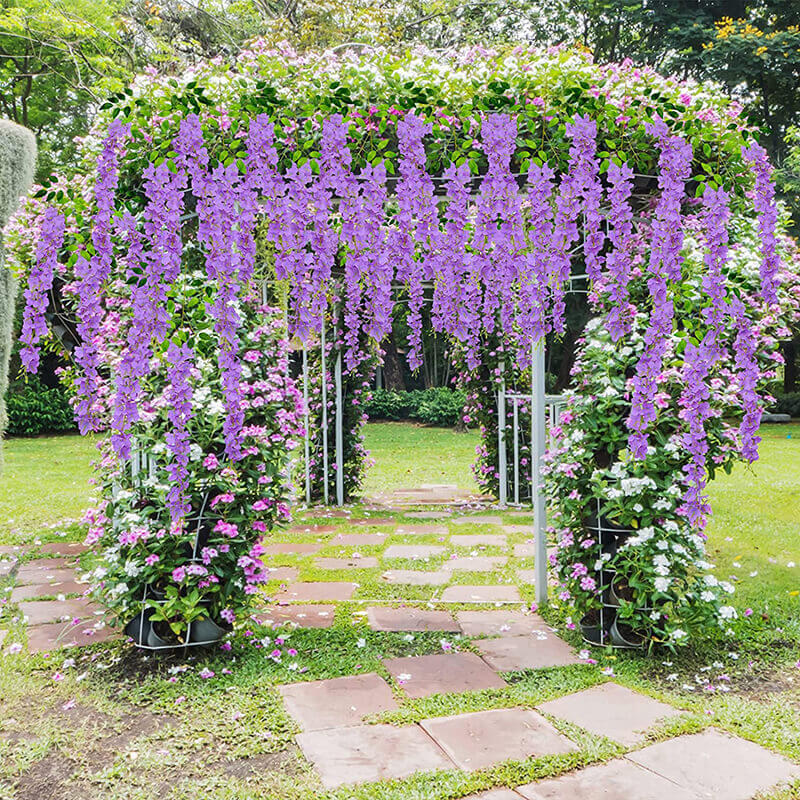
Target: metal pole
{"x": 324, "y": 418}
{"x": 339, "y": 433}
{"x": 537, "y": 453}
{"x": 307, "y": 425}
{"x": 501, "y": 435}
{"x": 516, "y": 451}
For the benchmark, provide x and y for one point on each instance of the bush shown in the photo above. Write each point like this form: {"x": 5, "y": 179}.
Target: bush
{"x": 438, "y": 406}
{"x": 35, "y": 409}
{"x": 787, "y": 404}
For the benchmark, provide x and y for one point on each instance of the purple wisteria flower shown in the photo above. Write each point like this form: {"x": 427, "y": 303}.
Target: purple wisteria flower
{"x": 179, "y": 398}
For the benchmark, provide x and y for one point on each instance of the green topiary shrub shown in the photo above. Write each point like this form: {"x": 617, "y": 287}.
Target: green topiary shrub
{"x": 437, "y": 406}
{"x": 35, "y": 409}
{"x": 17, "y": 162}
{"x": 787, "y": 404}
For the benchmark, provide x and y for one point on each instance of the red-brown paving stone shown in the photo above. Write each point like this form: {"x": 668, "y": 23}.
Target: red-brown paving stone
{"x": 478, "y": 539}
{"x": 39, "y": 612}
{"x": 526, "y": 577}
{"x": 63, "y": 548}
{"x": 494, "y": 794}
{"x": 358, "y": 539}
{"x": 525, "y": 550}
{"x": 478, "y": 520}
{"x": 365, "y": 562}
{"x": 475, "y": 563}
{"x": 410, "y": 619}
{"x": 617, "y": 780}
{"x": 12, "y": 550}
{"x": 6, "y": 567}
{"x": 428, "y": 514}
{"x": 524, "y": 529}
{"x": 481, "y": 594}
{"x": 337, "y": 703}
{"x": 421, "y": 530}
{"x": 416, "y": 577}
{"x": 36, "y": 590}
{"x": 3, "y": 634}
{"x": 499, "y": 623}
{"x": 35, "y": 577}
{"x": 484, "y": 738}
{"x": 363, "y": 523}
{"x": 333, "y": 513}
{"x": 56, "y": 635}
{"x": 291, "y": 548}
{"x": 312, "y": 529}
{"x": 414, "y": 551}
{"x": 420, "y": 676}
{"x": 612, "y": 711}
{"x": 284, "y": 574}
{"x": 539, "y": 650}
{"x": 309, "y": 616}
{"x": 371, "y": 753}
{"x": 716, "y": 766}
{"x": 317, "y": 591}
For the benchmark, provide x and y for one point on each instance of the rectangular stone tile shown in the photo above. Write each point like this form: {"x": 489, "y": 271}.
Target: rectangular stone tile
{"x": 367, "y": 521}
{"x": 55, "y": 635}
{"x": 715, "y": 766}
{"x": 414, "y": 551}
{"x": 371, "y": 753}
{"x": 35, "y": 590}
{"x": 478, "y": 539}
{"x": 421, "y": 530}
{"x": 39, "y": 612}
{"x": 291, "y": 548}
{"x": 478, "y": 519}
{"x": 338, "y": 702}
{"x": 312, "y": 529}
{"x": 475, "y": 563}
{"x": 484, "y": 738}
{"x": 15, "y": 550}
{"x": 364, "y": 562}
{"x": 302, "y": 616}
{"x": 284, "y": 574}
{"x": 617, "y": 780}
{"x": 525, "y": 550}
{"x": 526, "y": 577}
{"x": 63, "y": 548}
{"x": 28, "y": 575}
{"x": 358, "y": 539}
{"x": 540, "y": 650}
{"x": 611, "y": 710}
{"x": 408, "y": 618}
{"x": 481, "y": 594}
{"x": 428, "y": 514}
{"x": 499, "y": 623}
{"x": 416, "y": 577}
{"x": 420, "y": 676}
{"x": 6, "y": 567}
{"x": 318, "y": 591}
{"x": 495, "y": 794}
{"x": 524, "y": 529}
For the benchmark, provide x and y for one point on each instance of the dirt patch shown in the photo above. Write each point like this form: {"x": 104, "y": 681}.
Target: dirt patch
{"x": 243, "y": 768}
{"x": 48, "y": 779}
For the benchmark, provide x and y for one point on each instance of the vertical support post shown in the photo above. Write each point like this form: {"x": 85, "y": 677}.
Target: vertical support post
{"x": 516, "y": 450}
{"x": 537, "y": 453}
{"x": 501, "y": 436}
{"x": 339, "y": 433}
{"x": 324, "y": 418}
{"x": 307, "y": 450}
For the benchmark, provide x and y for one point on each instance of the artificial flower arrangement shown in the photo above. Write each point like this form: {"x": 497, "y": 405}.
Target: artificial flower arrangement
{"x": 630, "y": 542}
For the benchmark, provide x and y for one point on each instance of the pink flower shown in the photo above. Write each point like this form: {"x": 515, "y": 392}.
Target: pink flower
{"x": 210, "y": 461}
{"x": 206, "y": 673}
{"x": 151, "y": 559}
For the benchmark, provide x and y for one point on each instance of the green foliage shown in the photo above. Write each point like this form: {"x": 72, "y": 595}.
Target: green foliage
{"x": 35, "y": 409}
{"x": 438, "y": 406}
{"x": 787, "y": 404}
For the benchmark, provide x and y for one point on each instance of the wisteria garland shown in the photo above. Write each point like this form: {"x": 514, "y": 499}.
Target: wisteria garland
{"x": 40, "y": 282}
{"x": 179, "y": 398}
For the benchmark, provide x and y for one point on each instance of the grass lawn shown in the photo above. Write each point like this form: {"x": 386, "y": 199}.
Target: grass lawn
{"x": 120, "y": 725}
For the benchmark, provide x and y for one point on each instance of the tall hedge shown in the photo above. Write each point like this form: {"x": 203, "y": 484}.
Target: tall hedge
{"x": 17, "y": 162}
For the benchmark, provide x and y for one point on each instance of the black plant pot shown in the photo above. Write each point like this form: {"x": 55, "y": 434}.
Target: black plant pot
{"x": 623, "y": 636}
{"x": 140, "y": 626}
{"x": 595, "y": 627}
{"x": 206, "y": 631}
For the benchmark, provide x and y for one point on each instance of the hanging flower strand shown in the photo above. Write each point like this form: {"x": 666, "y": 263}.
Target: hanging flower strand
{"x": 179, "y": 399}
{"x": 40, "y": 282}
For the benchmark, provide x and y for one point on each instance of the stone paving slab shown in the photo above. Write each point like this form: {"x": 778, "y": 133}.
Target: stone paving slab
{"x": 527, "y": 577}
{"x": 374, "y": 521}
{"x": 481, "y": 594}
{"x": 303, "y": 616}
{"x": 499, "y": 623}
{"x": 524, "y": 529}
{"x": 525, "y": 550}
{"x": 39, "y": 612}
{"x": 362, "y": 562}
{"x": 284, "y": 574}
{"x": 3, "y": 634}
{"x": 478, "y": 519}
{"x": 15, "y": 550}
{"x": 292, "y": 548}
{"x": 428, "y": 514}
{"x": 478, "y": 539}
{"x": 33, "y": 591}
{"x": 715, "y": 766}
{"x": 414, "y": 551}
{"x": 422, "y": 530}
{"x": 382, "y": 618}
{"x": 540, "y": 650}
{"x": 28, "y": 575}
{"x": 371, "y": 753}
{"x": 420, "y": 676}
{"x": 56, "y": 635}
{"x": 6, "y": 567}
{"x": 312, "y": 529}
{"x": 339, "y": 702}
{"x": 416, "y": 577}
{"x": 63, "y": 548}
{"x": 617, "y": 780}
{"x": 611, "y": 710}
{"x": 358, "y": 539}
{"x": 318, "y": 591}
{"x": 495, "y": 794}
{"x": 475, "y": 563}
{"x": 484, "y": 738}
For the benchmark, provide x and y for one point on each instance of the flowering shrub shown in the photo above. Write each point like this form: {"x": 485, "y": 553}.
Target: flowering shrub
{"x": 207, "y": 564}
{"x": 658, "y": 574}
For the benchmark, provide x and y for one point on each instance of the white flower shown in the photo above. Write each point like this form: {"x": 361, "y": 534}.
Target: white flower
{"x": 678, "y": 635}
{"x": 708, "y": 597}
{"x": 662, "y": 584}
{"x": 728, "y": 612}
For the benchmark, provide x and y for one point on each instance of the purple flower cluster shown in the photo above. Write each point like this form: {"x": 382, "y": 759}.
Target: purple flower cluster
{"x": 40, "y": 282}
{"x": 179, "y": 398}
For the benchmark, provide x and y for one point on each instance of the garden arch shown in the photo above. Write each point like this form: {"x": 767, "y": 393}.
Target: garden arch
{"x": 364, "y": 172}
